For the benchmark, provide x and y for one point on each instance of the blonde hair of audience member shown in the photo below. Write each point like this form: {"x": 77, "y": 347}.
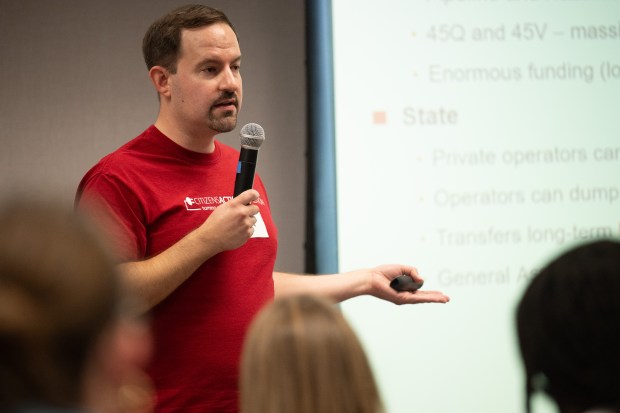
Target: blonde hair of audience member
{"x": 66, "y": 338}
{"x": 301, "y": 356}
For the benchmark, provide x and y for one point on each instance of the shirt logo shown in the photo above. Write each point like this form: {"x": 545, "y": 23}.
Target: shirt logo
{"x": 209, "y": 203}
{"x": 204, "y": 203}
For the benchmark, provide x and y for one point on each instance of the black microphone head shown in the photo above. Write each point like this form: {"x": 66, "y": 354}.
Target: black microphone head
{"x": 252, "y": 136}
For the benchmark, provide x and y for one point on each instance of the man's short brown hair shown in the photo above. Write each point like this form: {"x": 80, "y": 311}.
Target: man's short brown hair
{"x": 162, "y": 40}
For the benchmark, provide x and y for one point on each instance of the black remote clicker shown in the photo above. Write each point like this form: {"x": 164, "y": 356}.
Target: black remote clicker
{"x": 405, "y": 283}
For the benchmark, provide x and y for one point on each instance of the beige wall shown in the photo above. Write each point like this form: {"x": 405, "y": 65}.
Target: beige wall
{"x": 75, "y": 87}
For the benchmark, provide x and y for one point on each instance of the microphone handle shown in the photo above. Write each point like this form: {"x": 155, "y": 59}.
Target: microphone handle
{"x": 245, "y": 170}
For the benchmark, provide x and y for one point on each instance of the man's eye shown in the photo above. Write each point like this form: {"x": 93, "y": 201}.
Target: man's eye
{"x": 209, "y": 69}
{"x": 236, "y": 68}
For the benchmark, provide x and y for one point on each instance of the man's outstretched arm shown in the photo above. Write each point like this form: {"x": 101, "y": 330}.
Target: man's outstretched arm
{"x": 373, "y": 281}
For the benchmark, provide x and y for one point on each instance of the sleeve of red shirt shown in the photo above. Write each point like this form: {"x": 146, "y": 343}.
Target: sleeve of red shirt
{"x": 116, "y": 210}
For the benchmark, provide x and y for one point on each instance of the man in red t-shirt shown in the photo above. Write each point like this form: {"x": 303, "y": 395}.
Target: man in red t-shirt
{"x": 201, "y": 260}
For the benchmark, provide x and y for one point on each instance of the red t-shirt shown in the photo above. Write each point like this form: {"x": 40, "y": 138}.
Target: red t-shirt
{"x": 158, "y": 192}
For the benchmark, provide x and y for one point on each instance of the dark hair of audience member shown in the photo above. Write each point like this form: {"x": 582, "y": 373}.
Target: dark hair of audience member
{"x": 568, "y": 324}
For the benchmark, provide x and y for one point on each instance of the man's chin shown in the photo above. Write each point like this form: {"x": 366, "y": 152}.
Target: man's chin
{"x": 225, "y": 124}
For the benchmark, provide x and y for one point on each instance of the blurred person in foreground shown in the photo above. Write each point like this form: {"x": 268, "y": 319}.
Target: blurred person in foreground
{"x": 69, "y": 340}
{"x": 302, "y": 356}
{"x": 568, "y": 325}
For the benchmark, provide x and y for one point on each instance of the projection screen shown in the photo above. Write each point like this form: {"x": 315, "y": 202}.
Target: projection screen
{"x": 475, "y": 140}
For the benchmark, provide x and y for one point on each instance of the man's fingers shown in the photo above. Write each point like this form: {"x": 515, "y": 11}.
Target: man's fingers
{"x": 430, "y": 297}
{"x": 419, "y": 297}
{"x": 253, "y": 210}
{"x": 247, "y": 197}
{"x": 413, "y": 273}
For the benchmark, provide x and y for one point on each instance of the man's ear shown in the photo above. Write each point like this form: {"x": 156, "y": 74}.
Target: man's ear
{"x": 160, "y": 76}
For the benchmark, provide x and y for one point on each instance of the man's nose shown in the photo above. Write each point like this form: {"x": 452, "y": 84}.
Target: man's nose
{"x": 229, "y": 80}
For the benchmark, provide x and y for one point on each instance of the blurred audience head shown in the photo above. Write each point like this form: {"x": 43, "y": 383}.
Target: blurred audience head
{"x": 69, "y": 336}
{"x": 302, "y": 356}
{"x": 568, "y": 325}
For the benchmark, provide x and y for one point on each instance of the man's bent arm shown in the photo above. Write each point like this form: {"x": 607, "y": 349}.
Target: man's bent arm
{"x": 228, "y": 227}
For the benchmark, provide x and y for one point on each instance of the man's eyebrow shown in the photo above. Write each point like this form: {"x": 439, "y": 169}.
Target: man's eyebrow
{"x": 212, "y": 60}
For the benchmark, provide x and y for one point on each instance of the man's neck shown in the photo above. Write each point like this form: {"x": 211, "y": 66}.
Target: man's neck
{"x": 190, "y": 140}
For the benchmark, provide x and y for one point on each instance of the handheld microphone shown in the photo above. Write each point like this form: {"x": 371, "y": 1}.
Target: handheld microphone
{"x": 252, "y": 137}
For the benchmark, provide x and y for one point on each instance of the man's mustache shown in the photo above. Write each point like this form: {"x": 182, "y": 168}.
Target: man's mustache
{"x": 227, "y": 99}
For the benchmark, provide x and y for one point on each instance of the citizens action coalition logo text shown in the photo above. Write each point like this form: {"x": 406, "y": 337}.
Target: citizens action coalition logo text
{"x": 209, "y": 203}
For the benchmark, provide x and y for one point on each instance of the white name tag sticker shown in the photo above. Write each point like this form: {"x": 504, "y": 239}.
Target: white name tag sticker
{"x": 260, "y": 230}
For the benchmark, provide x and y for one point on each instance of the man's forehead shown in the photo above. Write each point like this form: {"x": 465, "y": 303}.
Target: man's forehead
{"x": 217, "y": 35}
